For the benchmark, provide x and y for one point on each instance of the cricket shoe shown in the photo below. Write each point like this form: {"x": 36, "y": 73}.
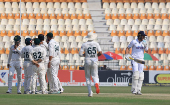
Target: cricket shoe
{"x": 97, "y": 88}
{"x": 139, "y": 93}
{"x": 91, "y": 94}
{"x": 44, "y": 92}
{"x": 38, "y": 92}
{"x": 9, "y": 92}
{"x": 33, "y": 92}
{"x": 19, "y": 92}
{"x": 61, "y": 90}
{"x": 134, "y": 92}
{"x": 54, "y": 92}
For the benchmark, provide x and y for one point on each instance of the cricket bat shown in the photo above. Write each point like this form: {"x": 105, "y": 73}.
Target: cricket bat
{"x": 137, "y": 60}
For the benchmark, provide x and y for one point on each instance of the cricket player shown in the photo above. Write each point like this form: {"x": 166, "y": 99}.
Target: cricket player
{"x": 27, "y": 65}
{"x": 138, "y": 46}
{"x": 45, "y": 46}
{"x": 37, "y": 56}
{"x": 14, "y": 63}
{"x": 54, "y": 62}
{"x": 91, "y": 61}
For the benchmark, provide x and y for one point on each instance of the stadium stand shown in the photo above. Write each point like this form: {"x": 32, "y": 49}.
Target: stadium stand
{"x": 116, "y": 22}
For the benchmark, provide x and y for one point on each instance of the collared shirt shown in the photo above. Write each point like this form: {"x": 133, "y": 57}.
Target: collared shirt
{"x": 37, "y": 53}
{"x": 25, "y": 52}
{"x": 54, "y": 49}
{"x": 137, "y": 49}
{"x": 15, "y": 54}
{"x": 90, "y": 48}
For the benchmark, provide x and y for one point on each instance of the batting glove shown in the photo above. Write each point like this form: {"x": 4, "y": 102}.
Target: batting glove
{"x": 144, "y": 43}
{"x": 127, "y": 57}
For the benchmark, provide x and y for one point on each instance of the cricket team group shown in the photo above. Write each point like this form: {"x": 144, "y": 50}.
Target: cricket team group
{"x": 42, "y": 57}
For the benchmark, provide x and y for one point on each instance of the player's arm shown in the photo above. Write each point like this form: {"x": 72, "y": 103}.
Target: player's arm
{"x": 99, "y": 50}
{"x": 22, "y": 53}
{"x": 19, "y": 49}
{"x": 82, "y": 51}
{"x": 9, "y": 58}
{"x": 51, "y": 48}
{"x": 128, "y": 50}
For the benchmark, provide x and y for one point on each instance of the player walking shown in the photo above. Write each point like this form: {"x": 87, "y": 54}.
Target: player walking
{"x": 14, "y": 63}
{"x": 91, "y": 58}
{"x": 54, "y": 62}
{"x": 138, "y": 46}
{"x": 37, "y": 56}
{"x": 27, "y": 64}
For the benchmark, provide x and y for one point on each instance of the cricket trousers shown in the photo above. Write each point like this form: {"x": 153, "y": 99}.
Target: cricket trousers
{"x": 54, "y": 73}
{"x": 15, "y": 65}
{"x": 28, "y": 75}
{"x": 41, "y": 72}
{"x": 91, "y": 69}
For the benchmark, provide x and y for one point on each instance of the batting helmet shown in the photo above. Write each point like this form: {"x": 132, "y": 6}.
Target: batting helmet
{"x": 140, "y": 34}
{"x": 17, "y": 38}
{"x": 28, "y": 41}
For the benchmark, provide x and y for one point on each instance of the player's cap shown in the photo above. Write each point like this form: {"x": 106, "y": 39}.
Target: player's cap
{"x": 17, "y": 38}
{"x": 91, "y": 36}
{"x": 36, "y": 41}
{"x": 41, "y": 37}
{"x": 50, "y": 34}
{"x": 28, "y": 41}
{"x": 142, "y": 33}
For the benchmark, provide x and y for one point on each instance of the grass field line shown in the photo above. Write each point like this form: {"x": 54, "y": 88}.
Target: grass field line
{"x": 147, "y": 94}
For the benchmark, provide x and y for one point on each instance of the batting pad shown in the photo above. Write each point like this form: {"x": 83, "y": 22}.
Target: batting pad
{"x": 141, "y": 76}
{"x": 136, "y": 74}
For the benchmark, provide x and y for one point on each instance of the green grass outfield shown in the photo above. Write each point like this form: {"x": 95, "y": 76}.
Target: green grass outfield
{"x": 78, "y": 96}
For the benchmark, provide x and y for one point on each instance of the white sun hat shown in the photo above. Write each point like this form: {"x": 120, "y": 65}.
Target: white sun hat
{"x": 91, "y": 36}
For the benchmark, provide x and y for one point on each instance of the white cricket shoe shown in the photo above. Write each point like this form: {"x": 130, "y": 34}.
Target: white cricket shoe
{"x": 134, "y": 92}
{"x": 9, "y": 91}
{"x": 44, "y": 92}
{"x": 33, "y": 92}
{"x": 61, "y": 90}
{"x": 91, "y": 94}
{"x": 18, "y": 92}
{"x": 54, "y": 92}
{"x": 139, "y": 93}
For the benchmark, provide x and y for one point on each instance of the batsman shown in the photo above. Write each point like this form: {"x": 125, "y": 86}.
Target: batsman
{"x": 138, "y": 46}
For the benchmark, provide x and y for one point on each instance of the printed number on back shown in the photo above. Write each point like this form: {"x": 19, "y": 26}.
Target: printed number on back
{"x": 37, "y": 55}
{"x": 56, "y": 48}
{"x": 92, "y": 51}
{"x": 26, "y": 55}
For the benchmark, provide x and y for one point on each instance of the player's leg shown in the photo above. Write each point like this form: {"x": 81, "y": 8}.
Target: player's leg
{"x": 94, "y": 74}
{"x": 141, "y": 78}
{"x": 49, "y": 79}
{"x": 59, "y": 85}
{"x": 10, "y": 77}
{"x": 54, "y": 68}
{"x": 87, "y": 67}
{"x": 34, "y": 78}
{"x": 26, "y": 77}
{"x": 29, "y": 76}
{"x": 135, "y": 77}
{"x": 41, "y": 71}
{"x": 18, "y": 68}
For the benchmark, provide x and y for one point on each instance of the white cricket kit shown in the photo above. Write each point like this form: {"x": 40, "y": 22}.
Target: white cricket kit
{"x": 91, "y": 67}
{"x": 15, "y": 64}
{"x": 38, "y": 53}
{"x": 137, "y": 68}
{"x": 27, "y": 66}
{"x": 137, "y": 53}
{"x": 54, "y": 51}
